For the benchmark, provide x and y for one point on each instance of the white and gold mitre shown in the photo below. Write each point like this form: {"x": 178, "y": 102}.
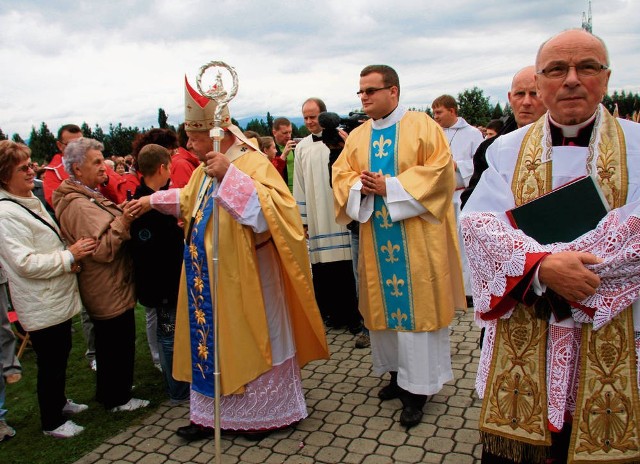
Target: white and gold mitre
{"x": 199, "y": 111}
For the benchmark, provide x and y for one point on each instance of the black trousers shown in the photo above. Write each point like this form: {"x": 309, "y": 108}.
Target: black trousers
{"x": 115, "y": 355}
{"x": 335, "y": 289}
{"x": 52, "y": 346}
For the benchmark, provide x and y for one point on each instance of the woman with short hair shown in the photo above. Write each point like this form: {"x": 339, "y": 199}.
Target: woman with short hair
{"x": 106, "y": 281}
{"x": 44, "y": 291}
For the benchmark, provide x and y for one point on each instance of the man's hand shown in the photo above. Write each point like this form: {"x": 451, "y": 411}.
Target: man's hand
{"x": 565, "y": 273}
{"x": 372, "y": 182}
{"x": 288, "y": 148}
{"x": 217, "y": 165}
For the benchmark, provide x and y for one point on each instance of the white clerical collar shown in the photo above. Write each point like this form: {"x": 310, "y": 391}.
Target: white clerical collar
{"x": 394, "y": 117}
{"x": 572, "y": 131}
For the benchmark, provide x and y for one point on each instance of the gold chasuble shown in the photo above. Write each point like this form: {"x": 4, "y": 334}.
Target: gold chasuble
{"x": 513, "y": 421}
{"x": 409, "y": 271}
{"x": 244, "y": 344}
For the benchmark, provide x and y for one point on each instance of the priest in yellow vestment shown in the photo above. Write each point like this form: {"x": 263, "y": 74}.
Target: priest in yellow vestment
{"x": 396, "y": 177}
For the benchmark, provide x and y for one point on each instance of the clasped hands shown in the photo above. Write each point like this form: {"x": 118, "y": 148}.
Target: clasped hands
{"x": 566, "y": 274}
{"x": 373, "y": 182}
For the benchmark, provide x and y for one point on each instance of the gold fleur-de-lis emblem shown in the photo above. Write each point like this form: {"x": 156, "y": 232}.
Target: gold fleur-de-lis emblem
{"x": 399, "y": 316}
{"x": 396, "y": 284}
{"x": 391, "y": 249}
{"x": 384, "y": 215}
{"x": 380, "y": 144}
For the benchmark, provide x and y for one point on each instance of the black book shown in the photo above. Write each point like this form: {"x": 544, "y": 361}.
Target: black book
{"x": 563, "y": 214}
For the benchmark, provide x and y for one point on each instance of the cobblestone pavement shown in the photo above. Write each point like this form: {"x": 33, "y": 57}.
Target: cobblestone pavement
{"x": 347, "y": 423}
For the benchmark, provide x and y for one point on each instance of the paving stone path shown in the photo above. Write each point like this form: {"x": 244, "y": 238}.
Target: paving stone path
{"x": 346, "y": 424}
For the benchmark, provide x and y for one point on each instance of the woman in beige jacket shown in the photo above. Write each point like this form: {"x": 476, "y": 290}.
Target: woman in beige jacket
{"x": 40, "y": 271}
{"x": 106, "y": 280}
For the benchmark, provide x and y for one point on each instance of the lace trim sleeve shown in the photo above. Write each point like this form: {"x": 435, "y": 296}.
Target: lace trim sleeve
{"x": 497, "y": 251}
{"x": 166, "y": 201}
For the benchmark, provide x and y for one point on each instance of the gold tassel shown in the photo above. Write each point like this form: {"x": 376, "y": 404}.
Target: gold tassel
{"x": 512, "y": 449}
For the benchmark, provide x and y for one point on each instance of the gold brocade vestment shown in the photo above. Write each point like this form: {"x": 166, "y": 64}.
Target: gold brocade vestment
{"x": 244, "y": 345}
{"x": 424, "y": 167}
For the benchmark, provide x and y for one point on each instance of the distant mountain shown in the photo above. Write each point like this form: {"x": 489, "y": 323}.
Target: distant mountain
{"x": 298, "y": 121}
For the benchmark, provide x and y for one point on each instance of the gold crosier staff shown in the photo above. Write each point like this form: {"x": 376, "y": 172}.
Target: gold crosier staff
{"x": 218, "y": 94}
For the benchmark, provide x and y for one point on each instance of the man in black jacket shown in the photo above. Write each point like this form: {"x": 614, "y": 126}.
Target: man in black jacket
{"x": 527, "y": 107}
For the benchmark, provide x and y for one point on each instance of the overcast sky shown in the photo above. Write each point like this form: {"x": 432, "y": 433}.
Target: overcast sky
{"x": 119, "y": 61}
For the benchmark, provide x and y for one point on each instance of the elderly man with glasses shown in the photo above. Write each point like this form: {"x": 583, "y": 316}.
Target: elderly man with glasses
{"x": 558, "y": 371}
{"x": 396, "y": 177}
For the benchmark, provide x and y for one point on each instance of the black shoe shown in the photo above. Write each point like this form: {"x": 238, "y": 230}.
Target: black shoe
{"x": 412, "y": 405}
{"x": 389, "y": 392}
{"x": 256, "y": 436}
{"x": 193, "y": 432}
{"x": 469, "y": 301}
{"x": 392, "y": 390}
{"x": 355, "y": 329}
{"x": 410, "y": 416}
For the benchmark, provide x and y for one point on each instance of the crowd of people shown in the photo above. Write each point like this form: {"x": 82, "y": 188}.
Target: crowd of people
{"x": 243, "y": 254}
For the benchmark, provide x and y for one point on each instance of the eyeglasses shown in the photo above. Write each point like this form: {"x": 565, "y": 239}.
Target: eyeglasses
{"x": 25, "y": 168}
{"x": 371, "y": 90}
{"x": 560, "y": 70}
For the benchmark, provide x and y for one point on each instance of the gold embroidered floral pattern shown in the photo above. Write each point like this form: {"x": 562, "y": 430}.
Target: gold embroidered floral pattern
{"x": 197, "y": 290}
{"x": 530, "y": 180}
{"x": 517, "y": 395}
{"x": 608, "y": 422}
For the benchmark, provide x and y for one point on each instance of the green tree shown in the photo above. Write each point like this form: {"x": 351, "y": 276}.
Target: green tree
{"x": 16, "y": 138}
{"x": 119, "y": 140}
{"x": 162, "y": 119}
{"x": 86, "y": 130}
{"x": 296, "y": 132}
{"x": 497, "y": 112}
{"x": 628, "y": 103}
{"x": 42, "y": 143}
{"x": 507, "y": 110}
{"x": 258, "y": 126}
{"x": 99, "y": 134}
{"x": 474, "y": 107}
{"x": 2, "y": 136}
{"x": 302, "y": 130}
{"x": 269, "y": 123}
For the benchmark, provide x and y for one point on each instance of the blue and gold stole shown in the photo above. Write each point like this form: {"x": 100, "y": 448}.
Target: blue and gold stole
{"x": 199, "y": 294}
{"x": 389, "y": 238}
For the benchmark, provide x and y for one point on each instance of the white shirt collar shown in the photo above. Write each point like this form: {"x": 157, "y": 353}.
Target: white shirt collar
{"x": 572, "y": 131}
{"x": 394, "y": 117}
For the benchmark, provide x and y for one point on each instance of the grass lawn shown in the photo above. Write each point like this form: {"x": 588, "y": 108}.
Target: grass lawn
{"x": 31, "y": 446}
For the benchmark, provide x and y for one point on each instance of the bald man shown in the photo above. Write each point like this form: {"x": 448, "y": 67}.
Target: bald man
{"x": 558, "y": 371}
{"x": 526, "y": 106}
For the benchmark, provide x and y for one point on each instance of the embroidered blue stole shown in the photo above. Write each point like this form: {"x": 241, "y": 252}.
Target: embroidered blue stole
{"x": 389, "y": 238}
{"x": 199, "y": 295}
